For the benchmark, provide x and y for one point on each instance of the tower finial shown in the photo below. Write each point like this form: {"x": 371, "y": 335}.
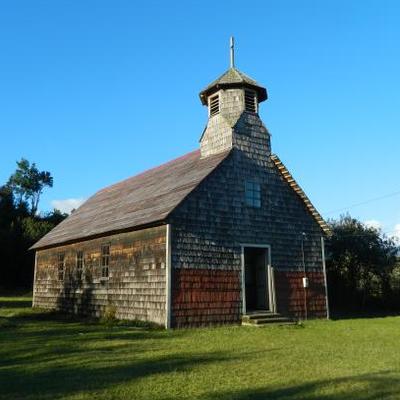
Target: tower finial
{"x": 232, "y": 42}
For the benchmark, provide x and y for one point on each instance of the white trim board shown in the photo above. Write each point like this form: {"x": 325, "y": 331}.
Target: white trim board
{"x": 271, "y": 281}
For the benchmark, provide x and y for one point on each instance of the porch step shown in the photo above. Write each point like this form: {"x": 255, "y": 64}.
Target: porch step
{"x": 263, "y": 318}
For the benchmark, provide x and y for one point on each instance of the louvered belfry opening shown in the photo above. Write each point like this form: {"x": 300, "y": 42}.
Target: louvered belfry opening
{"x": 250, "y": 101}
{"x": 214, "y": 105}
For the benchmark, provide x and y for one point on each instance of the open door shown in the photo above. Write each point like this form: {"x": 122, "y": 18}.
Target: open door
{"x": 257, "y": 279}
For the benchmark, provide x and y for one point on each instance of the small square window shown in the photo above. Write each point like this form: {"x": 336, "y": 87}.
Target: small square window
{"x": 60, "y": 266}
{"x": 105, "y": 260}
{"x": 253, "y": 194}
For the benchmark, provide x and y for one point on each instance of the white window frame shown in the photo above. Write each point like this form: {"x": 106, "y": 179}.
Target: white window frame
{"x": 270, "y": 276}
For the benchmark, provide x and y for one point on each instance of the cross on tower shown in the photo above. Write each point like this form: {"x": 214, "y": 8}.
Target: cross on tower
{"x": 232, "y": 52}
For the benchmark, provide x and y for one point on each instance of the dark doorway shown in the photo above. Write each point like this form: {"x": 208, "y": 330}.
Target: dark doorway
{"x": 256, "y": 278}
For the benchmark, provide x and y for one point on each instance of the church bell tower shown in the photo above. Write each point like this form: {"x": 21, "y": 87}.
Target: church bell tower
{"x": 233, "y": 101}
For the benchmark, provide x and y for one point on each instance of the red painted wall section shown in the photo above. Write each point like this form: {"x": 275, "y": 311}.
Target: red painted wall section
{"x": 202, "y": 297}
{"x": 291, "y": 297}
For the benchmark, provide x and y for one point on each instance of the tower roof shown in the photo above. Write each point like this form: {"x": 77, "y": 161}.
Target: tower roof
{"x": 233, "y": 78}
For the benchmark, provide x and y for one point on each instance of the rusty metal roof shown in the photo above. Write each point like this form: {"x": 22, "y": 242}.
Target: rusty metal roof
{"x": 137, "y": 201}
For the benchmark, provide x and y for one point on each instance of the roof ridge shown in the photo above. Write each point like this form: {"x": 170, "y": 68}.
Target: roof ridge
{"x": 150, "y": 170}
{"x": 141, "y": 200}
{"x": 227, "y": 152}
{"x": 238, "y": 74}
{"x": 246, "y": 77}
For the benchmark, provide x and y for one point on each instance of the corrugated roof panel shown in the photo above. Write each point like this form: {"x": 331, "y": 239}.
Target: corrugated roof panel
{"x": 143, "y": 199}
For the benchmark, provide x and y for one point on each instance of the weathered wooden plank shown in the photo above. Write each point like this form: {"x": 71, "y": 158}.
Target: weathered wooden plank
{"x": 134, "y": 291}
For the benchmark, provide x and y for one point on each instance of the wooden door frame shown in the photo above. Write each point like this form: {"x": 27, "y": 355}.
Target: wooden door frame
{"x": 270, "y": 275}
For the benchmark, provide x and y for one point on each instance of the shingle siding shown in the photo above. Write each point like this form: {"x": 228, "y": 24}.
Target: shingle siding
{"x": 293, "y": 299}
{"x": 209, "y": 227}
{"x": 205, "y": 296}
{"x": 202, "y": 196}
{"x": 135, "y": 288}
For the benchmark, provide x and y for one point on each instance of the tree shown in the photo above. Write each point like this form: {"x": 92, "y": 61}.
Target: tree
{"x": 20, "y": 225}
{"x": 360, "y": 265}
{"x": 27, "y": 184}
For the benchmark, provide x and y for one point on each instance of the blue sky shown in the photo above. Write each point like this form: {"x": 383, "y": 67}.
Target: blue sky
{"x": 96, "y": 91}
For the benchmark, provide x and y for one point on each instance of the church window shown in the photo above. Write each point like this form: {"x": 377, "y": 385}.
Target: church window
{"x": 253, "y": 194}
{"x": 60, "y": 266}
{"x": 105, "y": 260}
{"x": 79, "y": 264}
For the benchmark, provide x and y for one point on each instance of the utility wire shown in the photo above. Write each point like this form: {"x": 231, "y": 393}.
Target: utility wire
{"x": 364, "y": 234}
{"x": 362, "y": 203}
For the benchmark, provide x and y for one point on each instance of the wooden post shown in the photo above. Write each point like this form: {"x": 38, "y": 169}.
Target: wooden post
{"x": 325, "y": 278}
{"x": 243, "y": 284}
{"x": 274, "y": 307}
{"x": 34, "y": 280}
{"x": 168, "y": 275}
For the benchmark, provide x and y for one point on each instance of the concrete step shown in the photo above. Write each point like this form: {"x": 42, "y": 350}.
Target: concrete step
{"x": 263, "y": 318}
{"x": 261, "y": 314}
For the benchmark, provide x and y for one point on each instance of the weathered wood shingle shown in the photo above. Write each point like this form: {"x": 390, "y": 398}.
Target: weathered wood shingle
{"x": 135, "y": 288}
{"x": 233, "y": 78}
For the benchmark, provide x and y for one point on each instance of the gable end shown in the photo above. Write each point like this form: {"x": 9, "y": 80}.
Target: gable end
{"x": 287, "y": 176}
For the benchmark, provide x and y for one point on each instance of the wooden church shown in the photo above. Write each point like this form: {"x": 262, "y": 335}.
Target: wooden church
{"x": 216, "y": 236}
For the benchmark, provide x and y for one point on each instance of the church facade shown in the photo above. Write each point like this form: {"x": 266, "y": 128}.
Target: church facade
{"x": 205, "y": 239}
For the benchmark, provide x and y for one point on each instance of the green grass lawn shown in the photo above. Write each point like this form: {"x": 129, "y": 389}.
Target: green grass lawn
{"x": 45, "y": 356}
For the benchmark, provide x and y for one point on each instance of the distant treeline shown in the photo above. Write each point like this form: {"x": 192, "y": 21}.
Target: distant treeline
{"x": 363, "y": 267}
{"x": 21, "y": 225}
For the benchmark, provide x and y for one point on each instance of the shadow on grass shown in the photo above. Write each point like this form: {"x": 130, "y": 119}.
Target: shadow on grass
{"x": 379, "y": 386}
{"x": 47, "y": 355}
{"x": 39, "y": 336}
{"x": 366, "y": 314}
{"x": 15, "y": 303}
{"x": 59, "y": 381}
{"x": 45, "y": 329}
